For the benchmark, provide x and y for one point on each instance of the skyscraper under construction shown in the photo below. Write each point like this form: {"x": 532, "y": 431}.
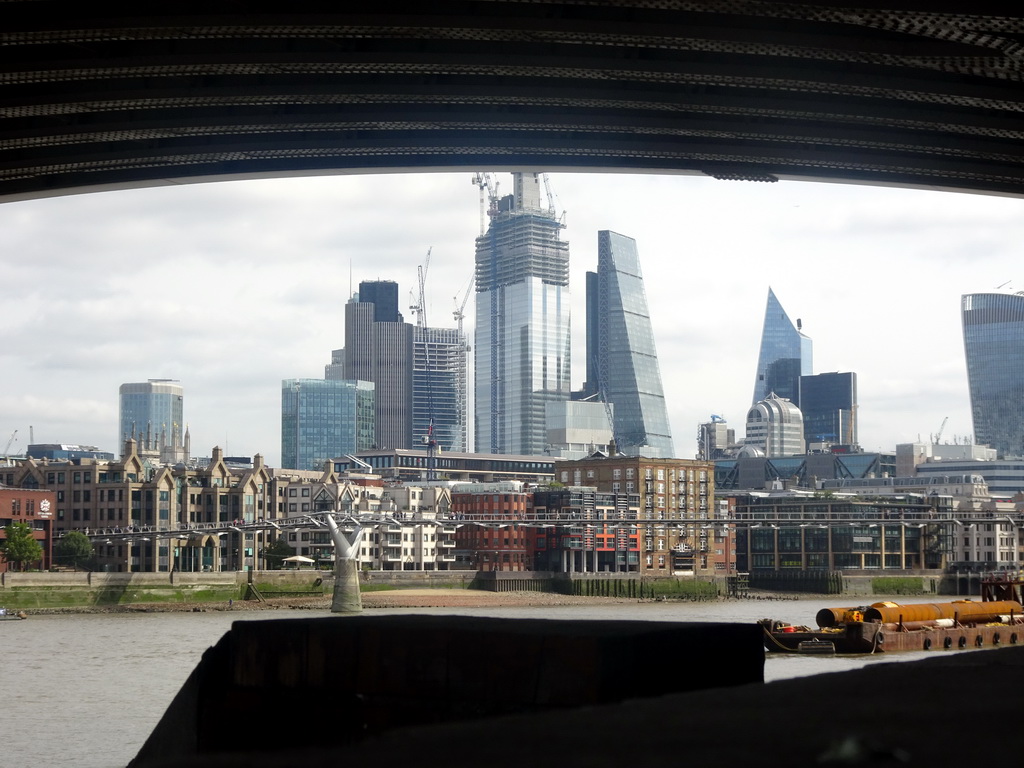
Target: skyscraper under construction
{"x": 522, "y": 321}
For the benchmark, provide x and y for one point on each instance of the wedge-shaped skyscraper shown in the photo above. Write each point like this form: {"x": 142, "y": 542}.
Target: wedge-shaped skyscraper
{"x": 522, "y": 322}
{"x": 622, "y": 362}
{"x": 785, "y": 355}
{"x": 994, "y": 347}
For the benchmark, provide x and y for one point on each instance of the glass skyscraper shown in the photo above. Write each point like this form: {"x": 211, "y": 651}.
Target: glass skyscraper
{"x": 323, "y": 419}
{"x": 522, "y": 322}
{"x": 993, "y": 326}
{"x": 622, "y": 362}
{"x": 785, "y": 355}
{"x": 828, "y": 402}
{"x": 439, "y": 387}
{"x": 151, "y": 409}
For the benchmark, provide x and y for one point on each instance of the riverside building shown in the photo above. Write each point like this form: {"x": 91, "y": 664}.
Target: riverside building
{"x": 680, "y": 490}
{"x": 795, "y": 531}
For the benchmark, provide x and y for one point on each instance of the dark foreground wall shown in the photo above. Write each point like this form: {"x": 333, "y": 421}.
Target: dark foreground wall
{"x": 282, "y": 685}
{"x": 956, "y": 709}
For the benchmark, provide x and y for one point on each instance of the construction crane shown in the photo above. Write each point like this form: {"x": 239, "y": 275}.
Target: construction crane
{"x": 938, "y": 435}
{"x": 460, "y": 307}
{"x": 430, "y": 441}
{"x": 420, "y": 305}
{"x": 8, "y": 446}
{"x": 488, "y": 202}
{"x": 551, "y": 200}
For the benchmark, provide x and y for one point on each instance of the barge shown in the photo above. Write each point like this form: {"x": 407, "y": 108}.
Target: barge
{"x": 885, "y": 627}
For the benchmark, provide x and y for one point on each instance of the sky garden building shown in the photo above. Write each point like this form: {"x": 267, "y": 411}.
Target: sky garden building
{"x": 993, "y": 326}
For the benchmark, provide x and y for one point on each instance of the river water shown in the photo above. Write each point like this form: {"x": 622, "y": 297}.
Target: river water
{"x": 85, "y": 691}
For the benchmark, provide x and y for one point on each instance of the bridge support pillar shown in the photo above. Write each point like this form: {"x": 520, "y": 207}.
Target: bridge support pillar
{"x": 346, "y": 598}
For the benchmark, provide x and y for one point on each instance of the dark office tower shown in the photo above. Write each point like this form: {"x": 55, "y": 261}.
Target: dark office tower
{"x": 994, "y": 346}
{"x": 381, "y": 353}
{"x": 621, "y": 357}
{"x": 828, "y": 402}
{"x": 785, "y": 355}
{"x": 383, "y": 294}
{"x": 439, "y": 387}
{"x": 522, "y": 322}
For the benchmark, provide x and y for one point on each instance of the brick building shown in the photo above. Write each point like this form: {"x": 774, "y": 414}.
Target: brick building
{"x": 603, "y": 535}
{"x": 34, "y": 507}
{"x": 676, "y": 496}
{"x": 499, "y": 541}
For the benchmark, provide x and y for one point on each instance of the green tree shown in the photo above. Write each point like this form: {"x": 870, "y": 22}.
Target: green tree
{"x": 19, "y": 548}
{"x": 74, "y": 549}
{"x": 276, "y": 553}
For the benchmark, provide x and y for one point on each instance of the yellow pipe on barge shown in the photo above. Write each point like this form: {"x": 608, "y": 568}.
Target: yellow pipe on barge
{"x": 963, "y": 611}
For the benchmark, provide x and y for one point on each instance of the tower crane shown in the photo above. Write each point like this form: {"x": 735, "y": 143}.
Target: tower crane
{"x": 11, "y": 440}
{"x": 420, "y": 307}
{"x": 551, "y": 199}
{"x": 938, "y": 436}
{"x": 460, "y": 308}
{"x": 484, "y": 182}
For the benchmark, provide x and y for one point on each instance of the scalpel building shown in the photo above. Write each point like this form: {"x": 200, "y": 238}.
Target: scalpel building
{"x": 784, "y": 357}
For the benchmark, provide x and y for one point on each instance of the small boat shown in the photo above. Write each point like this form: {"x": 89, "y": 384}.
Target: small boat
{"x": 5, "y": 616}
{"x": 884, "y": 627}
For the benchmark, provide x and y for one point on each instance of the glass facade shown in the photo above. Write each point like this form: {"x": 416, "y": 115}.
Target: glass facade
{"x": 994, "y": 347}
{"x": 322, "y": 420}
{"x": 151, "y": 408}
{"x": 439, "y": 387}
{"x": 828, "y": 402}
{"x": 622, "y": 349}
{"x": 785, "y": 355}
{"x": 521, "y": 348}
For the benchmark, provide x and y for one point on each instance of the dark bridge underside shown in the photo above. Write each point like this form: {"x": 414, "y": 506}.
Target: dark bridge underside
{"x": 153, "y": 93}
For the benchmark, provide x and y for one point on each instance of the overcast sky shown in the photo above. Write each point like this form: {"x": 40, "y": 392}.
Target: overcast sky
{"x": 232, "y": 287}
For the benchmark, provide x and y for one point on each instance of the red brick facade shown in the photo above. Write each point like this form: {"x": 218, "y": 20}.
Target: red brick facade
{"x": 35, "y": 509}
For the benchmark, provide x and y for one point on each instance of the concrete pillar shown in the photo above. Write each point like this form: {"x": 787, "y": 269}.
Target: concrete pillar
{"x": 347, "y": 597}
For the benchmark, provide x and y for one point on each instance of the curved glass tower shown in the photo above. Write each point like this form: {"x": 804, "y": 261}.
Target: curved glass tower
{"x": 994, "y": 347}
{"x": 620, "y": 350}
{"x": 785, "y": 355}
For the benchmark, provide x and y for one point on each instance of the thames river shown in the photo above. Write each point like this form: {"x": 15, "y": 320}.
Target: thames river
{"x": 85, "y": 691}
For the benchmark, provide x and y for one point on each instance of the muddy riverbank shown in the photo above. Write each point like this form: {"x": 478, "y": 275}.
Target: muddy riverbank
{"x": 396, "y": 598}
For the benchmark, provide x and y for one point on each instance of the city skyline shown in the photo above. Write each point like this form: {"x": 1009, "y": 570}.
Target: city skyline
{"x": 233, "y": 287}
